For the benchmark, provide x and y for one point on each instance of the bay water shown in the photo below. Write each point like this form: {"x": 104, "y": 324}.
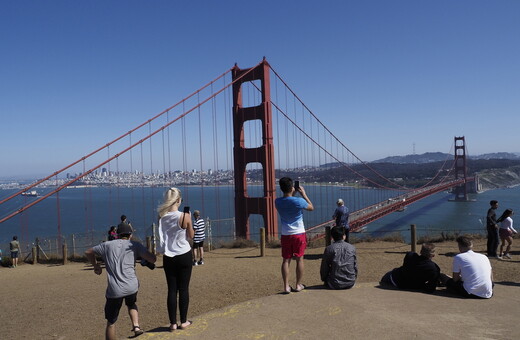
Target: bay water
{"x": 91, "y": 211}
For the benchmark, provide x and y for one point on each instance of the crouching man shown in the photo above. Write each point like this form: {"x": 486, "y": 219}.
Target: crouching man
{"x": 339, "y": 264}
{"x": 119, "y": 257}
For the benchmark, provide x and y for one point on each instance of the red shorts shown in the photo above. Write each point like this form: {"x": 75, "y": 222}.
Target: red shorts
{"x": 293, "y": 245}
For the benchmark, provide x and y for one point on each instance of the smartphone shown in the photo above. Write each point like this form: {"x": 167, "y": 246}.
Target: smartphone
{"x": 296, "y": 185}
{"x": 186, "y": 210}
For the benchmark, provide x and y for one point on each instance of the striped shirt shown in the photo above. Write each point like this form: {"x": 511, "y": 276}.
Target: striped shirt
{"x": 199, "y": 229}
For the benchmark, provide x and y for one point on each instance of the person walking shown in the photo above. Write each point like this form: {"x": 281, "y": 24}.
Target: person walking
{"x": 341, "y": 215}
{"x": 198, "y": 239}
{"x": 293, "y": 238}
{"x": 14, "y": 245}
{"x": 119, "y": 257}
{"x": 492, "y": 229}
{"x": 175, "y": 228}
{"x": 506, "y": 232}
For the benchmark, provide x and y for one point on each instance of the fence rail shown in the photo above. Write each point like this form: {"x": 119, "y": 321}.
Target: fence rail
{"x": 218, "y": 233}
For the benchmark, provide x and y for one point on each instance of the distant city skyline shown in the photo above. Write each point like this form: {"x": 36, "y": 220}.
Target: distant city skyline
{"x": 387, "y": 78}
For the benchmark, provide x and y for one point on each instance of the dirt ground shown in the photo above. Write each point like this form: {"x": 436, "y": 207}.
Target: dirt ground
{"x": 66, "y": 302}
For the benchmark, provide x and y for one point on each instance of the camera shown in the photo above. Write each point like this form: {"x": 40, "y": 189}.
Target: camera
{"x": 147, "y": 264}
{"x": 186, "y": 210}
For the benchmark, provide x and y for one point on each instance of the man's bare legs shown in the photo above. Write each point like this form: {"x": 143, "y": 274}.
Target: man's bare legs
{"x": 285, "y": 275}
{"x": 299, "y": 272}
{"x": 134, "y": 317}
{"x": 110, "y": 331}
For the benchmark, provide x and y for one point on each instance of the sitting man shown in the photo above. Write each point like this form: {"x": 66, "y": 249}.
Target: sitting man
{"x": 417, "y": 271}
{"x": 472, "y": 273}
{"x": 339, "y": 265}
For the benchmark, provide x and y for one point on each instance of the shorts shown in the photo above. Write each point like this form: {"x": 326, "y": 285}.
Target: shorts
{"x": 293, "y": 245}
{"x": 14, "y": 254}
{"x": 198, "y": 244}
{"x": 113, "y": 305}
{"x": 504, "y": 233}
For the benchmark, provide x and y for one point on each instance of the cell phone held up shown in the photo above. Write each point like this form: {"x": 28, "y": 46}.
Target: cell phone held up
{"x": 296, "y": 185}
{"x": 186, "y": 210}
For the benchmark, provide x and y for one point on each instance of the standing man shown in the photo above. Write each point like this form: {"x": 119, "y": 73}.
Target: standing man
{"x": 339, "y": 264}
{"x": 119, "y": 257}
{"x": 492, "y": 229}
{"x": 341, "y": 216}
{"x": 124, "y": 221}
{"x": 14, "y": 245}
{"x": 472, "y": 273}
{"x": 198, "y": 239}
{"x": 293, "y": 239}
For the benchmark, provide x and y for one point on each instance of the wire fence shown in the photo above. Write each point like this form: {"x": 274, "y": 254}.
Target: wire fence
{"x": 218, "y": 233}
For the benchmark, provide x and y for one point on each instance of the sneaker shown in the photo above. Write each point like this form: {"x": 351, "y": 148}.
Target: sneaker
{"x": 507, "y": 256}
{"x": 498, "y": 257}
{"x": 195, "y": 263}
{"x": 201, "y": 262}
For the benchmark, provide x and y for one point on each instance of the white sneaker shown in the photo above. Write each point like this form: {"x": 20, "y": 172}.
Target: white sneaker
{"x": 195, "y": 263}
{"x": 507, "y": 256}
{"x": 498, "y": 257}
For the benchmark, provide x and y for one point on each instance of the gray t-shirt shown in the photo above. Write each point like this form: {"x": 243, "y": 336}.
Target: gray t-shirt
{"x": 119, "y": 257}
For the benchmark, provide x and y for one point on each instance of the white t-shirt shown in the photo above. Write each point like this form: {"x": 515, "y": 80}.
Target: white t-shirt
{"x": 172, "y": 238}
{"x": 475, "y": 272}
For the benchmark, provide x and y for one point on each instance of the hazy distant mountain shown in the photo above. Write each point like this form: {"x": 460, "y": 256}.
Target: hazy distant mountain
{"x": 427, "y": 157}
{"x": 430, "y": 157}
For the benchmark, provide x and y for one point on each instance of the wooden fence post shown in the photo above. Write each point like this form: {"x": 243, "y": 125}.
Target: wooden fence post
{"x": 327, "y": 236}
{"x": 37, "y": 250}
{"x": 65, "y": 255}
{"x": 34, "y": 256}
{"x": 149, "y": 243}
{"x": 262, "y": 242}
{"x": 73, "y": 246}
{"x": 413, "y": 237}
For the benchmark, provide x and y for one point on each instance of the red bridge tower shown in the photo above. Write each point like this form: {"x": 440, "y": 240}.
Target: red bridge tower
{"x": 264, "y": 154}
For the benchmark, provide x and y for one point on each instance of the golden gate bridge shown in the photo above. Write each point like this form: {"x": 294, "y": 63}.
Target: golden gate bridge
{"x": 243, "y": 123}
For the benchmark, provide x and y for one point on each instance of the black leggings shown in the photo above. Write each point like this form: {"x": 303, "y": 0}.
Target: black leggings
{"x": 178, "y": 274}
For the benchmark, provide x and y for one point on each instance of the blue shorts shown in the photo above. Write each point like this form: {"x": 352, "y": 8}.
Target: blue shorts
{"x": 14, "y": 254}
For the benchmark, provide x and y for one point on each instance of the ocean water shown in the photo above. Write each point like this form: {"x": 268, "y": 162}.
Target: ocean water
{"x": 91, "y": 211}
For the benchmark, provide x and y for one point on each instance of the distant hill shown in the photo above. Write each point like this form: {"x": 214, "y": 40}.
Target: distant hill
{"x": 430, "y": 157}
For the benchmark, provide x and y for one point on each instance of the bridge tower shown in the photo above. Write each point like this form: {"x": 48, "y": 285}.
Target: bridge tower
{"x": 461, "y": 192}
{"x": 264, "y": 154}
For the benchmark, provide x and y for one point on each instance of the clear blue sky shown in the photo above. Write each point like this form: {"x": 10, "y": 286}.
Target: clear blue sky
{"x": 382, "y": 75}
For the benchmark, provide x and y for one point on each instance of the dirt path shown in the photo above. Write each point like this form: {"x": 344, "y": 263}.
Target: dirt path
{"x": 66, "y": 302}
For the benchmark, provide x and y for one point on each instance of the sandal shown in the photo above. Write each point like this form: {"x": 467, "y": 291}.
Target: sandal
{"x": 296, "y": 290}
{"x": 137, "y": 330}
{"x": 189, "y": 323}
{"x": 173, "y": 327}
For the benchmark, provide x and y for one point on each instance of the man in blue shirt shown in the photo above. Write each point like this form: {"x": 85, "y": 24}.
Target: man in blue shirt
{"x": 341, "y": 216}
{"x": 293, "y": 238}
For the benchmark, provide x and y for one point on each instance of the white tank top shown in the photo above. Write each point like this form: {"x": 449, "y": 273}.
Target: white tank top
{"x": 172, "y": 238}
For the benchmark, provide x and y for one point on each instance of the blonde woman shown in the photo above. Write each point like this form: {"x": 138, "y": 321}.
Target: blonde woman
{"x": 175, "y": 228}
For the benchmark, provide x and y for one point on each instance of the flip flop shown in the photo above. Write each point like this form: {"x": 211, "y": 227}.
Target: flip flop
{"x": 298, "y": 290}
{"x": 190, "y": 323}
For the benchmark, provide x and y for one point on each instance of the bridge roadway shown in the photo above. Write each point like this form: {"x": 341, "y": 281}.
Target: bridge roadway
{"x": 366, "y": 311}
{"x": 360, "y": 218}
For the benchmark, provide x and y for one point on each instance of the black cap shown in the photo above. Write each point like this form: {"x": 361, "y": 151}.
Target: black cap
{"x": 124, "y": 229}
